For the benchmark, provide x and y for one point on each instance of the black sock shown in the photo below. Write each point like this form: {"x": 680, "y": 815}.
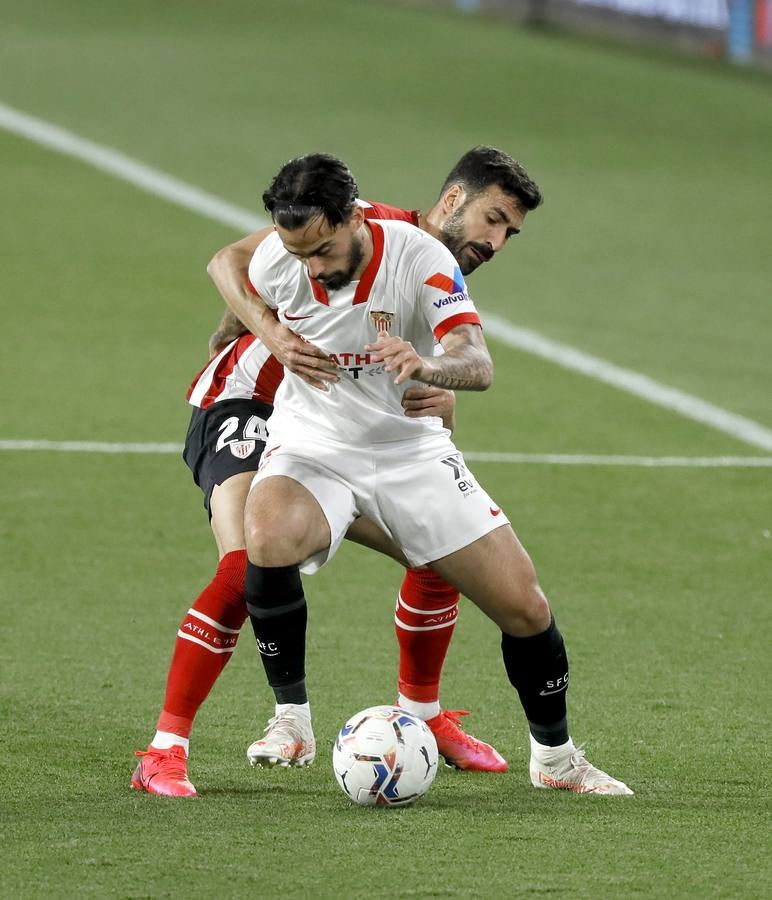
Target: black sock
{"x": 278, "y": 611}
{"x": 537, "y": 667}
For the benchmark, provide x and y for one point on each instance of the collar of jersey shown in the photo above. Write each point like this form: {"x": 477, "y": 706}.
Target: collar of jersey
{"x": 365, "y": 284}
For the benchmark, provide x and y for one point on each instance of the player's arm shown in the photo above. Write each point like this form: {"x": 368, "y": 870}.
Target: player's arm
{"x": 466, "y": 364}
{"x": 228, "y": 330}
{"x": 229, "y": 269}
{"x": 430, "y": 401}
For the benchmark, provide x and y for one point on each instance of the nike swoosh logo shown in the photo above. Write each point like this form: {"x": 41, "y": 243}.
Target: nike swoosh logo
{"x": 494, "y": 512}
{"x": 294, "y": 318}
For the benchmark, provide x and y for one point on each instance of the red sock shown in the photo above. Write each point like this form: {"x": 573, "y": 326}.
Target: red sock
{"x": 205, "y": 642}
{"x": 427, "y": 608}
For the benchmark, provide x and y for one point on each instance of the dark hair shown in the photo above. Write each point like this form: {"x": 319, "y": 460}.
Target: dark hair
{"x": 482, "y": 167}
{"x": 310, "y": 186}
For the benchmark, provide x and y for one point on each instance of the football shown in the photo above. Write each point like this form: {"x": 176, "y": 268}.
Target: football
{"x": 384, "y": 756}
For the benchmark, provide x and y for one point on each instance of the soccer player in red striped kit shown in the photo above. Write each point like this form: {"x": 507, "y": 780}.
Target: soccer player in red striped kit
{"x": 483, "y": 202}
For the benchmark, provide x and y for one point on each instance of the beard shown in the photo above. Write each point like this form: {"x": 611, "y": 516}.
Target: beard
{"x": 334, "y": 281}
{"x": 469, "y": 254}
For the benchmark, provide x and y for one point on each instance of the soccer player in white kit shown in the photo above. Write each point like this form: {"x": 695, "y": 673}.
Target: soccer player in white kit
{"x": 482, "y": 203}
{"x": 375, "y": 297}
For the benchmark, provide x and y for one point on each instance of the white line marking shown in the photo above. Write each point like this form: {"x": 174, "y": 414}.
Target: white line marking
{"x": 162, "y": 185}
{"x": 573, "y": 459}
{"x": 556, "y": 459}
{"x": 90, "y": 447}
{"x": 125, "y": 168}
{"x": 690, "y": 407}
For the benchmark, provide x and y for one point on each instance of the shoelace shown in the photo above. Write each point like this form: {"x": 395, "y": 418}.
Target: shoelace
{"x": 285, "y": 724}
{"x": 172, "y": 762}
{"x": 454, "y": 716}
{"x": 584, "y": 768}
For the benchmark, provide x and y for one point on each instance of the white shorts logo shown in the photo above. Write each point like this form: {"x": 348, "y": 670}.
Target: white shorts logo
{"x": 242, "y": 449}
{"x": 464, "y": 481}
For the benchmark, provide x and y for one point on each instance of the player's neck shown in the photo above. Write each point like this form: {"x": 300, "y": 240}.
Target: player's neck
{"x": 365, "y": 235}
{"x": 430, "y": 223}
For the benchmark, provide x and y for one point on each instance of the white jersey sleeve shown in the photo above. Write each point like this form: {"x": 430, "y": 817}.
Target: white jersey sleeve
{"x": 441, "y": 291}
{"x": 267, "y": 274}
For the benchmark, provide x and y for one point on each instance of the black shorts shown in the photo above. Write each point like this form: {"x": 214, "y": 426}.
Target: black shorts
{"x": 223, "y": 440}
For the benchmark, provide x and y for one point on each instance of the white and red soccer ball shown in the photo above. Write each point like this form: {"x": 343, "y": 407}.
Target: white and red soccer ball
{"x": 384, "y": 756}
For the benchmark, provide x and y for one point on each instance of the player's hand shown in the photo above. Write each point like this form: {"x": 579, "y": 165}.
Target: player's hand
{"x": 429, "y": 401}
{"x": 398, "y": 355}
{"x": 301, "y": 357}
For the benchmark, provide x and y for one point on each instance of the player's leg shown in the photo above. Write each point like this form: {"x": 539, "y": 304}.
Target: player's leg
{"x": 437, "y": 512}
{"x": 426, "y": 612}
{"x": 425, "y": 618}
{"x": 205, "y": 642}
{"x": 285, "y": 525}
{"x": 207, "y": 635}
{"x": 497, "y": 574}
{"x": 508, "y": 589}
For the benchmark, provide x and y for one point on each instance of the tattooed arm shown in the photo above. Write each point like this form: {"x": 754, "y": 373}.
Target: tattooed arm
{"x": 228, "y": 330}
{"x": 465, "y": 365}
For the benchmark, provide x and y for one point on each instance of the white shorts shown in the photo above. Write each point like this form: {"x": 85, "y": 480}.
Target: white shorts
{"x": 419, "y": 492}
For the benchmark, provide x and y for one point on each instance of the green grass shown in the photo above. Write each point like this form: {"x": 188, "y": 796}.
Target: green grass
{"x": 651, "y": 251}
{"x": 657, "y": 691}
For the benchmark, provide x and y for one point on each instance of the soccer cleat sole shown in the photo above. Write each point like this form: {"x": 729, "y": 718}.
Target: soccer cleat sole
{"x": 272, "y": 762}
{"x": 499, "y": 769}
{"x": 279, "y": 762}
{"x": 540, "y": 780}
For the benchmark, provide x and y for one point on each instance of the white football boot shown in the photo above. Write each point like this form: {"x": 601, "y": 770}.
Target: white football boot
{"x": 566, "y": 768}
{"x": 288, "y": 739}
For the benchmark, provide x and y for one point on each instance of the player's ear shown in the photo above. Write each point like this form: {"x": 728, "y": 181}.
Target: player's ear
{"x": 453, "y": 198}
{"x": 357, "y": 217}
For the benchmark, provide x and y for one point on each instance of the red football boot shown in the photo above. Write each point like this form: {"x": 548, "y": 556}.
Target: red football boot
{"x": 460, "y": 749}
{"x": 163, "y": 772}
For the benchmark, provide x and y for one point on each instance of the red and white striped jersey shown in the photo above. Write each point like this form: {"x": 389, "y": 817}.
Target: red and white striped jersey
{"x": 245, "y": 369}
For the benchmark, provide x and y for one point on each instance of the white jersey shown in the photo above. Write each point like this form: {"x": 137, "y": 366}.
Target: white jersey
{"x": 245, "y": 369}
{"x": 413, "y": 278}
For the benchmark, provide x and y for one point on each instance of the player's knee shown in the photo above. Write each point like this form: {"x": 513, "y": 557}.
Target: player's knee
{"x": 538, "y": 613}
{"x": 266, "y": 546}
{"x": 276, "y": 540}
{"x": 528, "y": 613}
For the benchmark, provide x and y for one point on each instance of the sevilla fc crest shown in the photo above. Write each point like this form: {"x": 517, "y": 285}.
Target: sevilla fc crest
{"x": 381, "y": 319}
{"x": 242, "y": 449}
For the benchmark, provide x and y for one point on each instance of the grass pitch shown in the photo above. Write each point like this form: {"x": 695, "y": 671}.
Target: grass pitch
{"x": 651, "y": 251}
